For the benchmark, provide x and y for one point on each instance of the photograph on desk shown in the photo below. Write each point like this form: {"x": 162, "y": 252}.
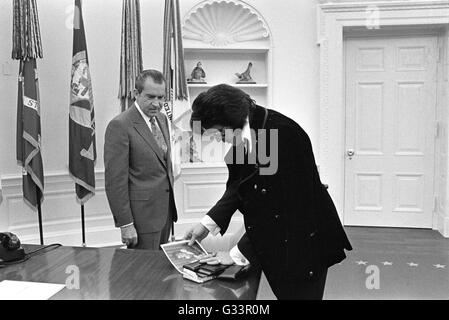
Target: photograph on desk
{"x": 196, "y": 264}
{"x": 192, "y": 260}
{"x": 179, "y": 253}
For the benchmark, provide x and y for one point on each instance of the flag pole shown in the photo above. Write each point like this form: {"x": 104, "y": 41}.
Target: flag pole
{"x": 81, "y": 124}
{"x": 83, "y": 228}
{"x": 39, "y": 212}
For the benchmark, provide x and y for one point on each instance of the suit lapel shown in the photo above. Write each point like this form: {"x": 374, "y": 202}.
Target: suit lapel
{"x": 142, "y": 128}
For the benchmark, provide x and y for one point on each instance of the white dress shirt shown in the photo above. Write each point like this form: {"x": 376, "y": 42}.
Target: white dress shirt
{"x": 146, "y": 118}
{"x": 210, "y": 224}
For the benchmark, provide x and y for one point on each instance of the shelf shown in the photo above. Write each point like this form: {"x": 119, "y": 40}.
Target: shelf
{"x": 202, "y": 165}
{"x": 208, "y": 49}
{"x": 207, "y": 85}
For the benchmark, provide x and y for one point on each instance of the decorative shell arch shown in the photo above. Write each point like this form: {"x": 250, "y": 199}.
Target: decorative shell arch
{"x": 221, "y": 23}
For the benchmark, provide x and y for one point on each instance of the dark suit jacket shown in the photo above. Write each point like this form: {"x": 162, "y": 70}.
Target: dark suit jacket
{"x": 139, "y": 181}
{"x": 292, "y": 227}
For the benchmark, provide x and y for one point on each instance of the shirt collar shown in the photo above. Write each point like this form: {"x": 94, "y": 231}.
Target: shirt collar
{"x": 144, "y": 116}
{"x": 246, "y": 136}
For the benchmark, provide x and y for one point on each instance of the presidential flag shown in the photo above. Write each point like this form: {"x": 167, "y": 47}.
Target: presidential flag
{"x": 29, "y": 134}
{"x": 82, "y": 147}
{"x": 174, "y": 69}
{"x": 176, "y": 92}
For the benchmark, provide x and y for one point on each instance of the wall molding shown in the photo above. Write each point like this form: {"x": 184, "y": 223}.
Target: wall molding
{"x": 443, "y": 225}
{"x": 203, "y": 175}
{"x": 384, "y": 6}
{"x": 60, "y": 212}
{"x": 188, "y": 208}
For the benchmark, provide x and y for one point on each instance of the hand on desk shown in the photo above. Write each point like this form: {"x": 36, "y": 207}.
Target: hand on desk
{"x": 129, "y": 235}
{"x": 199, "y": 232}
{"x": 220, "y": 257}
{"x": 225, "y": 258}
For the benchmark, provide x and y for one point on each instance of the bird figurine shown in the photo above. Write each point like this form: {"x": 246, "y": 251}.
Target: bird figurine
{"x": 245, "y": 77}
{"x": 198, "y": 75}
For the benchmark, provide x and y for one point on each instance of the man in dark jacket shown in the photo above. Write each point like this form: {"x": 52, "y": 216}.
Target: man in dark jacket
{"x": 293, "y": 231}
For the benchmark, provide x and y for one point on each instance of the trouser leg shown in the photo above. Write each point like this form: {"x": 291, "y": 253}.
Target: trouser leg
{"x": 165, "y": 232}
{"x": 148, "y": 241}
{"x": 303, "y": 290}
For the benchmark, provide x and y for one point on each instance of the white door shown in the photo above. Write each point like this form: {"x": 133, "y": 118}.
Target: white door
{"x": 390, "y": 131}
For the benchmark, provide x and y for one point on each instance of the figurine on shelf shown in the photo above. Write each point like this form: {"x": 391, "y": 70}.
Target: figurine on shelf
{"x": 198, "y": 75}
{"x": 245, "y": 77}
{"x": 193, "y": 152}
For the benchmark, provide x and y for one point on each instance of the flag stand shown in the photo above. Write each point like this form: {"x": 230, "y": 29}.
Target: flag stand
{"x": 83, "y": 225}
{"x": 39, "y": 211}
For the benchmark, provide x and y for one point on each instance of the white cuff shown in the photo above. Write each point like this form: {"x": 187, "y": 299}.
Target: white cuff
{"x": 127, "y": 225}
{"x": 238, "y": 257}
{"x": 210, "y": 225}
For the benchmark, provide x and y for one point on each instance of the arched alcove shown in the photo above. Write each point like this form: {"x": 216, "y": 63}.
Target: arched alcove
{"x": 224, "y": 23}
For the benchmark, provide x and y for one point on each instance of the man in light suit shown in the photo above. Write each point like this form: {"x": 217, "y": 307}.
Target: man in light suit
{"x": 138, "y": 169}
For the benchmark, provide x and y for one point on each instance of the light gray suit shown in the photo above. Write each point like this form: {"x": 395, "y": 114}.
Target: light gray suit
{"x": 138, "y": 177}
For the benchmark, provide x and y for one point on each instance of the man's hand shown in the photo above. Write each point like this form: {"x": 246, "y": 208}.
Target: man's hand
{"x": 224, "y": 258}
{"x": 199, "y": 232}
{"x": 221, "y": 257}
{"x": 129, "y": 236}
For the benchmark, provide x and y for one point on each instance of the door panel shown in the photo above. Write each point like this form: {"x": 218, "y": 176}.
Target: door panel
{"x": 390, "y": 121}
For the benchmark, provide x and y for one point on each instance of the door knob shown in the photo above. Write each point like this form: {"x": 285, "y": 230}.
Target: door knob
{"x": 350, "y": 153}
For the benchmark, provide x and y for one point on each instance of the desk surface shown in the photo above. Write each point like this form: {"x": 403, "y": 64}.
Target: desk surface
{"x": 107, "y": 273}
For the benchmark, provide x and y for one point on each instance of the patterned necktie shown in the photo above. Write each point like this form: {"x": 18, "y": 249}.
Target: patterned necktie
{"x": 158, "y": 135}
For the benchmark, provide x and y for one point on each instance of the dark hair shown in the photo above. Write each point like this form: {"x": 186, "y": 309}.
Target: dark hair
{"x": 157, "y": 77}
{"x": 223, "y": 105}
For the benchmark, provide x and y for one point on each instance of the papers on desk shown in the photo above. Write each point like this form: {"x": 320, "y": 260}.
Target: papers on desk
{"x": 180, "y": 253}
{"x": 24, "y": 290}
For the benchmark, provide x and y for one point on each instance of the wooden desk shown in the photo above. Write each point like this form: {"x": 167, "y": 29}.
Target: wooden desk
{"x": 107, "y": 273}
